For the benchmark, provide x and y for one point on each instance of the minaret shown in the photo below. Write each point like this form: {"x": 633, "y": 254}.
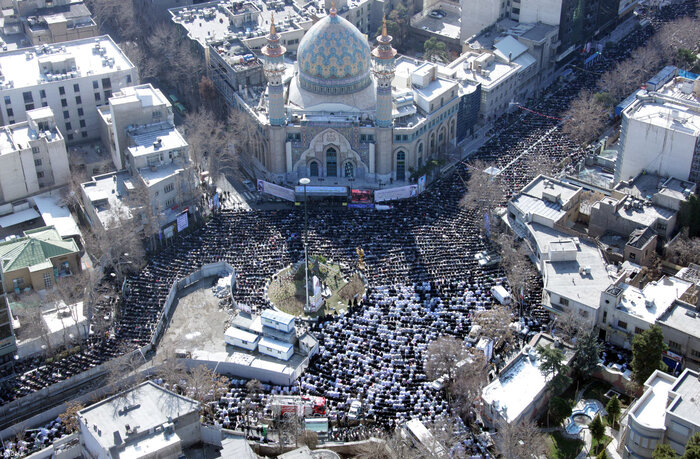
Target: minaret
{"x": 383, "y": 68}
{"x": 274, "y": 70}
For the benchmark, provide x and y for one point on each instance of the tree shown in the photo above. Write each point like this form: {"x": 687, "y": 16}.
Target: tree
{"x": 441, "y": 358}
{"x": 470, "y": 379}
{"x": 435, "y": 50}
{"x": 689, "y": 216}
{"x": 585, "y": 119}
{"x": 514, "y": 262}
{"x": 663, "y": 451}
{"x": 613, "y": 408}
{"x": 692, "y": 448}
{"x": 253, "y": 386}
{"x": 586, "y": 354}
{"x": 559, "y": 409}
{"x": 495, "y": 325}
{"x": 169, "y": 368}
{"x": 647, "y": 352}
{"x": 551, "y": 360}
{"x": 69, "y": 418}
{"x": 521, "y": 440}
{"x": 570, "y": 325}
{"x": 484, "y": 190}
{"x": 204, "y": 385}
{"x": 597, "y": 430}
{"x": 602, "y": 455}
{"x": 684, "y": 249}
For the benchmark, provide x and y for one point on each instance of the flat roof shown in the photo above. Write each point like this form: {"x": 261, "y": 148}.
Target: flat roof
{"x": 683, "y": 317}
{"x": 105, "y": 192}
{"x": 18, "y": 217}
{"x": 242, "y": 335}
{"x": 152, "y": 177}
{"x": 57, "y": 215}
{"x": 650, "y": 409}
{"x": 22, "y": 67}
{"x": 543, "y": 184}
{"x": 144, "y": 93}
{"x": 651, "y": 301}
{"x": 687, "y": 390}
{"x": 147, "y": 405}
{"x": 646, "y": 215}
{"x": 145, "y": 139}
{"x": 277, "y": 316}
{"x": 498, "y": 71}
{"x": 277, "y": 345}
{"x": 447, "y": 26}
{"x": 673, "y": 116}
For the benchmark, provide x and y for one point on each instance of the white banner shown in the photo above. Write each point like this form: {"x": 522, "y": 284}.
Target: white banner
{"x": 182, "y": 222}
{"x": 276, "y": 190}
{"x": 393, "y": 194}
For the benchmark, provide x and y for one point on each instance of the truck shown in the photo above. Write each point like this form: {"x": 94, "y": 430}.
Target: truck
{"x": 501, "y": 294}
{"x": 355, "y": 410}
{"x": 284, "y": 406}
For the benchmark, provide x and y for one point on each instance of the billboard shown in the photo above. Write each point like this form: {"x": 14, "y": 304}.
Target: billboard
{"x": 322, "y": 190}
{"x": 182, "y": 222}
{"x": 276, "y": 190}
{"x": 421, "y": 184}
{"x": 393, "y": 194}
{"x": 362, "y": 196}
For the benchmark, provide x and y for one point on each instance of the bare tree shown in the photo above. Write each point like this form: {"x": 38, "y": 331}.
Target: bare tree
{"x": 521, "y": 440}
{"x": 585, "y": 118}
{"x": 393, "y": 446}
{"x": 118, "y": 17}
{"x": 683, "y": 250}
{"x": 168, "y": 367}
{"x": 514, "y": 262}
{"x": 571, "y": 325}
{"x": 495, "y": 325}
{"x": 204, "y": 385}
{"x": 69, "y": 418}
{"x": 442, "y": 356}
{"x": 484, "y": 190}
{"x": 537, "y": 163}
{"x": 471, "y": 377}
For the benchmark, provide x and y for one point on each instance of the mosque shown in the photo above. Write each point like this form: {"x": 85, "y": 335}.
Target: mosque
{"x": 345, "y": 114}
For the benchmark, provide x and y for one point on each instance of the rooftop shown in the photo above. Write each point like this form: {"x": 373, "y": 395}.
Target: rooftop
{"x": 542, "y": 185}
{"x": 650, "y": 408}
{"x": 448, "y": 26}
{"x": 686, "y": 405}
{"x": 35, "y": 249}
{"x": 651, "y": 301}
{"x": 28, "y": 67}
{"x": 106, "y": 193}
{"x": 143, "y": 407}
{"x": 493, "y": 71}
{"x": 155, "y": 138}
{"x": 146, "y": 94}
{"x": 681, "y": 316}
{"x": 666, "y": 113}
{"x": 644, "y": 186}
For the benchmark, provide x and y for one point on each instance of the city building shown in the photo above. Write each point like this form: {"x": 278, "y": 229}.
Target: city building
{"x": 37, "y": 260}
{"x": 105, "y": 199}
{"x": 146, "y": 421}
{"x": 628, "y": 310}
{"x": 680, "y": 324}
{"x": 478, "y": 15}
{"x": 132, "y": 106}
{"x": 520, "y": 391}
{"x": 72, "y": 78}
{"x": 8, "y": 341}
{"x": 667, "y": 412}
{"x": 660, "y": 131}
{"x": 46, "y": 21}
{"x": 33, "y": 156}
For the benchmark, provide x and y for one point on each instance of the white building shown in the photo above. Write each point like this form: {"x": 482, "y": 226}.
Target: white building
{"x": 660, "y": 132}
{"x": 480, "y": 14}
{"x": 73, "y": 78}
{"x": 146, "y": 421}
{"x": 133, "y": 105}
{"x": 667, "y": 412}
{"x": 499, "y": 80}
{"x": 33, "y": 156}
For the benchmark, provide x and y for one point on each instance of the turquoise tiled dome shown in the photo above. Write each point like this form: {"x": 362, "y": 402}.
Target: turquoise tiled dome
{"x": 333, "y": 58}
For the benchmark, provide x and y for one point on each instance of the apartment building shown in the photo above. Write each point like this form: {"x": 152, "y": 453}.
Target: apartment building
{"x": 72, "y": 78}
{"x": 47, "y": 21}
{"x": 33, "y": 156}
{"x": 132, "y": 106}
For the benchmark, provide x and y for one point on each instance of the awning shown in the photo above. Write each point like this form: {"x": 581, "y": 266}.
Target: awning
{"x": 18, "y": 217}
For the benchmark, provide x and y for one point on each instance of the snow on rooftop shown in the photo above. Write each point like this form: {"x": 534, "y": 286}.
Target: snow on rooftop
{"x": 56, "y": 215}
{"x": 27, "y": 67}
{"x": 157, "y": 138}
{"x": 650, "y": 410}
{"x": 651, "y": 302}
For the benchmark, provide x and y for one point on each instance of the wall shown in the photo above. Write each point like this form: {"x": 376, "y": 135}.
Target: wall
{"x": 547, "y": 11}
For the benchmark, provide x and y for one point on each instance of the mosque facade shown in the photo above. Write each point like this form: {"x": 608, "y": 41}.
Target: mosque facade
{"x": 340, "y": 114}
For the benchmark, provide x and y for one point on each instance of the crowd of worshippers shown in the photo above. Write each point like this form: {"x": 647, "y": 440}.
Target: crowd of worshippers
{"x": 419, "y": 264}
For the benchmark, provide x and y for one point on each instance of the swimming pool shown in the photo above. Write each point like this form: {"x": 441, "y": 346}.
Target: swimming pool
{"x": 582, "y": 414}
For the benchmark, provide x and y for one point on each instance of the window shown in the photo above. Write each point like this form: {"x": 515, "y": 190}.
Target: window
{"x": 128, "y": 79}
{"x": 674, "y": 345}
{"x": 47, "y": 280}
{"x": 401, "y": 165}
{"x": 661, "y": 226}
{"x": 349, "y": 170}
{"x": 37, "y": 162}
{"x": 7, "y": 100}
{"x": 170, "y": 202}
{"x": 638, "y": 330}
{"x": 106, "y": 83}
{"x": 69, "y": 136}
{"x": 68, "y": 126}
{"x": 695, "y": 353}
{"x": 39, "y": 175}
{"x": 84, "y": 134}
{"x": 78, "y": 100}
{"x": 42, "y": 94}
{"x": 27, "y": 97}
{"x": 563, "y": 301}
{"x": 61, "y": 90}
{"x": 64, "y": 103}
{"x": 313, "y": 169}
{"x": 633, "y": 256}
{"x": 108, "y": 94}
{"x": 66, "y": 114}
{"x": 622, "y": 325}
{"x": 44, "y": 104}
{"x": 605, "y": 316}
{"x": 97, "y": 97}
{"x": 35, "y": 150}
{"x": 95, "y": 85}
{"x": 169, "y": 187}
{"x": 10, "y": 112}
{"x": 82, "y": 123}
{"x": 80, "y": 112}
{"x": 76, "y": 87}
{"x": 29, "y": 106}
{"x": 331, "y": 162}
{"x": 156, "y": 114}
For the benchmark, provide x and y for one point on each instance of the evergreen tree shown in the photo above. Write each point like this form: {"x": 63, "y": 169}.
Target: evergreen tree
{"x": 613, "y": 409}
{"x": 435, "y": 48}
{"x": 597, "y": 429}
{"x": 551, "y": 360}
{"x": 559, "y": 409}
{"x": 587, "y": 351}
{"x": 647, "y": 351}
{"x": 692, "y": 449}
{"x": 663, "y": 451}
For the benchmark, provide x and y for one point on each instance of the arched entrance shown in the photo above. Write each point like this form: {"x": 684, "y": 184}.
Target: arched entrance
{"x": 331, "y": 162}
{"x": 401, "y": 165}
